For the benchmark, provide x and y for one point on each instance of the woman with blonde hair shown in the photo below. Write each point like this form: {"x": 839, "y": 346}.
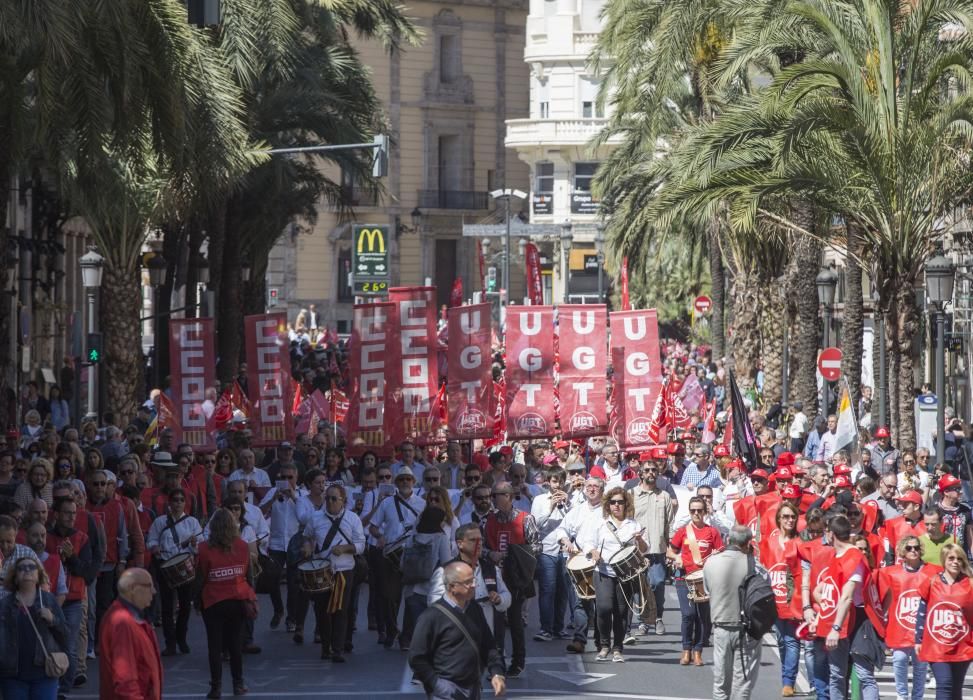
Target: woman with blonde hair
{"x": 438, "y": 497}
{"x": 31, "y": 626}
{"x": 944, "y": 621}
{"x": 40, "y": 474}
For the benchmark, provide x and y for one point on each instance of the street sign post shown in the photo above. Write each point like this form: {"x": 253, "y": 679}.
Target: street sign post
{"x": 829, "y": 364}
{"x": 702, "y": 304}
{"x": 370, "y": 260}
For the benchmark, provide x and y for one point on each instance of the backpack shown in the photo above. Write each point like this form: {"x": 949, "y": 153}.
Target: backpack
{"x": 418, "y": 562}
{"x": 758, "y": 607}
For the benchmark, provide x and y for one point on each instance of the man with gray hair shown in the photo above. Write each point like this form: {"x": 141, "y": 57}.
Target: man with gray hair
{"x": 736, "y": 655}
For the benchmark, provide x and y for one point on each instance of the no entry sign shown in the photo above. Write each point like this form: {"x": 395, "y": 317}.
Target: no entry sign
{"x": 829, "y": 364}
{"x": 702, "y": 304}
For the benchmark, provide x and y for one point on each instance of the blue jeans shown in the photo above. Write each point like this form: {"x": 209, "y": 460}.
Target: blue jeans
{"x": 657, "y": 581}
{"x": 866, "y": 679}
{"x": 552, "y": 597}
{"x": 949, "y": 679}
{"x": 414, "y": 605}
{"x": 837, "y": 660}
{"x": 822, "y": 673}
{"x": 790, "y": 651}
{"x": 72, "y": 615}
{"x": 695, "y": 620}
{"x": 900, "y": 668}
{"x": 40, "y": 689}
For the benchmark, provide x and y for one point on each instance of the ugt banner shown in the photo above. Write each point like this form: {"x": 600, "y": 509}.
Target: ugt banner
{"x": 415, "y": 372}
{"x": 469, "y": 386}
{"x": 269, "y": 378}
{"x": 192, "y": 359}
{"x": 582, "y": 388}
{"x": 535, "y": 285}
{"x": 638, "y": 375}
{"x": 373, "y": 331}
{"x": 529, "y": 374}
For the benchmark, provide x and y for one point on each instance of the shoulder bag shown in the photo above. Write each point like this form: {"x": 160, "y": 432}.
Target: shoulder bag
{"x": 55, "y": 662}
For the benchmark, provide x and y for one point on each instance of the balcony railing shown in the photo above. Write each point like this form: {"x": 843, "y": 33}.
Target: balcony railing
{"x": 531, "y": 132}
{"x": 453, "y": 199}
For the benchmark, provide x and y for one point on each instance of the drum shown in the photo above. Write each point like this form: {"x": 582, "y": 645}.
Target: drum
{"x": 628, "y": 563}
{"x": 315, "y": 576}
{"x": 178, "y": 570}
{"x": 694, "y": 587}
{"x": 393, "y": 552}
{"x": 581, "y": 571}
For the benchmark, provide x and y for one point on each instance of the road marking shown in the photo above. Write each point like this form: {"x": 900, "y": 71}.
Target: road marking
{"x": 578, "y": 678}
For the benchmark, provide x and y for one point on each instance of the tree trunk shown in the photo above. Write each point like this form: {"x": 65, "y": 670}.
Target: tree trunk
{"x": 807, "y": 260}
{"x": 255, "y": 292}
{"x": 747, "y": 294}
{"x": 229, "y": 317}
{"x": 772, "y": 340}
{"x": 853, "y": 318}
{"x": 122, "y": 369}
{"x": 906, "y": 324}
{"x": 718, "y": 289}
{"x": 173, "y": 244}
{"x": 8, "y": 251}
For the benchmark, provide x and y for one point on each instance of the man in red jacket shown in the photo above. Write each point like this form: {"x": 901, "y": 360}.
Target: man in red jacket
{"x": 129, "y": 664}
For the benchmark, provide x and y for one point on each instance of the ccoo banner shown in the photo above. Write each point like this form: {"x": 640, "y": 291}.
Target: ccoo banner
{"x": 269, "y": 378}
{"x": 582, "y": 387}
{"x": 530, "y": 372}
{"x": 193, "y": 363}
{"x": 370, "y": 366}
{"x": 413, "y": 413}
{"x": 470, "y": 385}
{"x": 638, "y": 376}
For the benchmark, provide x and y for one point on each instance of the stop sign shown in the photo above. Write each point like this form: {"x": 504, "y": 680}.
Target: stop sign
{"x": 702, "y": 304}
{"x": 829, "y": 364}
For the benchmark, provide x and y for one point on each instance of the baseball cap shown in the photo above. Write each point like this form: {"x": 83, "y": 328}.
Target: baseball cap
{"x": 687, "y": 435}
{"x": 948, "y": 481}
{"x": 285, "y": 446}
{"x": 675, "y": 448}
{"x": 784, "y": 474}
{"x": 842, "y": 482}
{"x": 910, "y": 497}
{"x": 786, "y": 459}
{"x": 840, "y": 469}
{"x": 759, "y": 474}
{"x": 721, "y": 451}
{"x": 791, "y": 491}
{"x": 575, "y": 466}
{"x": 506, "y": 451}
{"x": 882, "y": 432}
{"x": 659, "y": 452}
{"x": 549, "y": 459}
{"x": 561, "y": 444}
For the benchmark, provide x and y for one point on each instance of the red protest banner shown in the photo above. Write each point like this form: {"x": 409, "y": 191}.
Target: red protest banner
{"x": 530, "y": 371}
{"x": 469, "y": 385}
{"x": 583, "y": 385}
{"x": 269, "y": 378}
{"x": 535, "y": 285}
{"x": 193, "y": 370}
{"x": 638, "y": 377}
{"x": 625, "y": 302}
{"x": 456, "y": 293}
{"x": 372, "y": 332}
{"x": 415, "y": 377}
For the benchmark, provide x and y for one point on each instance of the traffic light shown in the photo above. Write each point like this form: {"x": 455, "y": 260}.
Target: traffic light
{"x": 95, "y": 352}
{"x": 380, "y": 157}
{"x": 491, "y": 280}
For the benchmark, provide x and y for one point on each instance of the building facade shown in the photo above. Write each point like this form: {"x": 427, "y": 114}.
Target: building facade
{"x": 445, "y": 103}
{"x": 553, "y": 141}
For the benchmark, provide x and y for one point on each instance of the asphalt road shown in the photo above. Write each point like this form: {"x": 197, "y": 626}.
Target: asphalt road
{"x": 286, "y": 670}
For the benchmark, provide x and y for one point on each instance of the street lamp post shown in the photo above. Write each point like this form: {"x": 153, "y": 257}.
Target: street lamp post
{"x": 940, "y": 276}
{"x": 92, "y": 267}
{"x": 567, "y": 239}
{"x": 157, "y": 267}
{"x": 600, "y": 250}
{"x": 505, "y": 195}
{"x": 827, "y": 282}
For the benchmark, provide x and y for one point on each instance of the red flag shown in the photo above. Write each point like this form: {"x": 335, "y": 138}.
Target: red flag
{"x": 269, "y": 377}
{"x": 222, "y": 414}
{"x": 638, "y": 378}
{"x": 535, "y": 285}
{"x": 728, "y": 429}
{"x": 529, "y": 373}
{"x": 709, "y": 421}
{"x": 500, "y": 415}
{"x": 166, "y": 417}
{"x": 193, "y": 363}
{"x": 339, "y": 405}
{"x": 372, "y": 332}
{"x": 470, "y": 384}
{"x": 625, "y": 303}
{"x": 691, "y": 393}
{"x": 456, "y": 294}
{"x": 582, "y": 387}
{"x": 659, "y": 420}
{"x": 298, "y": 390}
{"x": 239, "y": 400}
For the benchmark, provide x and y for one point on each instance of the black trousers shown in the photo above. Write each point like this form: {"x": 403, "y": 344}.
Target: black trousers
{"x": 612, "y": 610}
{"x": 392, "y": 593}
{"x": 512, "y": 620}
{"x": 333, "y": 627}
{"x": 106, "y": 591}
{"x": 224, "y": 629}
{"x": 377, "y": 600}
{"x": 174, "y": 625}
{"x": 290, "y": 575}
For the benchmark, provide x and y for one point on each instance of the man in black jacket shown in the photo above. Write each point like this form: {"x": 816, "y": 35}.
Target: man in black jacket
{"x": 452, "y": 644}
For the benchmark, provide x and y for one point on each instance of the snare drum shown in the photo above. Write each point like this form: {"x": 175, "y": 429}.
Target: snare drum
{"x": 628, "y": 563}
{"x": 178, "y": 570}
{"x": 694, "y": 587}
{"x": 315, "y": 576}
{"x": 581, "y": 571}
{"x": 393, "y": 552}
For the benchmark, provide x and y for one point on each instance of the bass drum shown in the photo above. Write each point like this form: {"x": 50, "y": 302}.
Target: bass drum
{"x": 581, "y": 571}
{"x": 628, "y": 563}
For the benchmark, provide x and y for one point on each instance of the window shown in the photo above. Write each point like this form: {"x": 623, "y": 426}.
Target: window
{"x": 583, "y": 173}
{"x": 344, "y": 270}
{"x": 449, "y": 67}
{"x": 544, "y": 178}
{"x": 543, "y": 100}
{"x": 590, "y": 109}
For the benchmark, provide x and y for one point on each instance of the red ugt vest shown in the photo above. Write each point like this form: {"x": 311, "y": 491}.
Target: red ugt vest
{"x": 500, "y": 535}
{"x": 949, "y": 613}
{"x": 831, "y": 573}
{"x": 77, "y": 589}
{"x": 784, "y": 566}
{"x": 903, "y": 587}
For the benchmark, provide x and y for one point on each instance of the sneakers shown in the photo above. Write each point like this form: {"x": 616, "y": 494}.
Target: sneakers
{"x": 660, "y": 627}
{"x": 788, "y": 692}
{"x": 275, "y": 620}
{"x": 643, "y": 629}
{"x": 543, "y": 636}
{"x": 630, "y": 639}
{"x": 602, "y": 656}
{"x": 575, "y": 647}
{"x": 515, "y": 670}
{"x": 617, "y": 657}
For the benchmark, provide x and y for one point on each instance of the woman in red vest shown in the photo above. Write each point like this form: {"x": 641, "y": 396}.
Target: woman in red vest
{"x": 224, "y": 560}
{"x": 944, "y": 623}
{"x": 779, "y": 555}
{"x": 898, "y": 587}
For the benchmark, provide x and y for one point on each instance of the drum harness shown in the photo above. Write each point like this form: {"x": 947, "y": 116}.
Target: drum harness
{"x": 693, "y": 545}
{"x": 642, "y": 594}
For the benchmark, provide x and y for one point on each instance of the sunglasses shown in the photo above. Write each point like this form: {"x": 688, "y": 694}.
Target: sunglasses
{"x": 616, "y": 502}
{"x": 909, "y": 462}
{"x": 25, "y": 568}
{"x": 334, "y": 499}
{"x": 912, "y": 548}
{"x": 385, "y": 477}
{"x": 696, "y": 510}
{"x": 788, "y": 516}
{"x": 432, "y": 479}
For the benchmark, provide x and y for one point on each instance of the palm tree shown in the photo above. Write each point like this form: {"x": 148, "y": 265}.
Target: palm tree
{"x": 868, "y": 126}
